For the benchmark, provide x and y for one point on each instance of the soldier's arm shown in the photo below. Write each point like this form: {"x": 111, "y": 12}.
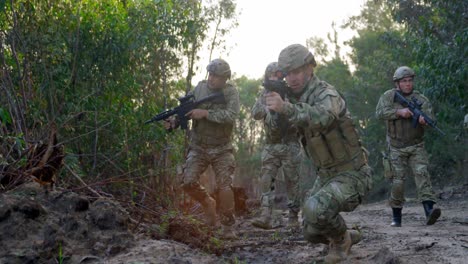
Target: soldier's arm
{"x": 385, "y": 109}
{"x": 318, "y": 116}
{"x": 228, "y": 115}
{"x": 259, "y": 110}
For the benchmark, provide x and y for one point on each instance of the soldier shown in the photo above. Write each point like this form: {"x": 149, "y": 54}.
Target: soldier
{"x": 282, "y": 150}
{"x": 332, "y": 142}
{"x": 210, "y": 144}
{"x": 406, "y": 145}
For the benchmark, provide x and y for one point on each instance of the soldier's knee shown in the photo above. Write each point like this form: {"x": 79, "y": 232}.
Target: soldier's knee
{"x": 315, "y": 212}
{"x": 224, "y": 183}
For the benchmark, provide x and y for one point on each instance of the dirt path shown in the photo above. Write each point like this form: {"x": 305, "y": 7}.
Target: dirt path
{"x": 414, "y": 242}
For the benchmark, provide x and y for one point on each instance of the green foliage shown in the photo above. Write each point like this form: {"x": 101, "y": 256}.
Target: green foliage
{"x": 248, "y": 136}
{"x": 98, "y": 69}
{"x": 5, "y": 117}
{"x": 60, "y": 253}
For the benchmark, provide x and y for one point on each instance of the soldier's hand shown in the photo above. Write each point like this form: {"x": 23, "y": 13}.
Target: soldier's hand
{"x": 405, "y": 113}
{"x": 274, "y": 102}
{"x": 197, "y": 114}
{"x": 169, "y": 123}
{"x": 421, "y": 120}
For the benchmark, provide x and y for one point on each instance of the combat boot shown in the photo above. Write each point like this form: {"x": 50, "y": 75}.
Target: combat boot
{"x": 227, "y": 219}
{"x": 264, "y": 221}
{"x": 339, "y": 248}
{"x": 209, "y": 208}
{"x": 396, "y": 222}
{"x": 432, "y": 214}
{"x": 355, "y": 235}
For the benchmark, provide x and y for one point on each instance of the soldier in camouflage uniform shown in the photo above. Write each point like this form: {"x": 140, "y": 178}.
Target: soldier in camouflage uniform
{"x": 332, "y": 142}
{"x": 406, "y": 146}
{"x": 282, "y": 150}
{"x": 210, "y": 144}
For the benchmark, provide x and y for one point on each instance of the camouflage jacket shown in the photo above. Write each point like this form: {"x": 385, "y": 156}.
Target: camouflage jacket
{"x": 328, "y": 133}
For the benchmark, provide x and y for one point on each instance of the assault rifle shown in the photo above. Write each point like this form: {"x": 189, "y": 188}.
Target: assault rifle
{"x": 187, "y": 104}
{"x": 415, "y": 107}
{"x": 278, "y": 86}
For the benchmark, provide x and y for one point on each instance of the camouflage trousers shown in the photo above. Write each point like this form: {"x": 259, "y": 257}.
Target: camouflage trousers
{"x": 403, "y": 160}
{"x": 342, "y": 192}
{"x": 285, "y": 156}
{"x": 222, "y": 161}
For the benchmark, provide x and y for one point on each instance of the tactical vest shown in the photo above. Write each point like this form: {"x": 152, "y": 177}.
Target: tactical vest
{"x": 206, "y": 132}
{"x": 338, "y": 148}
{"x": 401, "y": 132}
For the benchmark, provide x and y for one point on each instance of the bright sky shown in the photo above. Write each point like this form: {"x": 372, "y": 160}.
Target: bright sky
{"x": 268, "y": 26}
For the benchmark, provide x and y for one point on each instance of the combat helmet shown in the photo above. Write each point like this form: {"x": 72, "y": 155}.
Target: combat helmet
{"x": 403, "y": 72}
{"x": 219, "y": 67}
{"x": 294, "y": 56}
{"x": 273, "y": 68}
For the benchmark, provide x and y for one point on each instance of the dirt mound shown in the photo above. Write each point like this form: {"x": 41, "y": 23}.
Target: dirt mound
{"x": 59, "y": 227}
{"x": 65, "y": 227}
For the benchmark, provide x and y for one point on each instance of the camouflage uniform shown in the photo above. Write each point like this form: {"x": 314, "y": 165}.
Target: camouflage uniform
{"x": 211, "y": 145}
{"x": 333, "y": 144}
{"x": 406, "y": 148}
{"x": 282, "y": 150}
{"x": 406, "y": 145}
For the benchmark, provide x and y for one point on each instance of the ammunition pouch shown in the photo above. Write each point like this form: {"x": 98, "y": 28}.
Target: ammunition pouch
{"x": 401, "y": 133}
{"x": 336, "y": 150}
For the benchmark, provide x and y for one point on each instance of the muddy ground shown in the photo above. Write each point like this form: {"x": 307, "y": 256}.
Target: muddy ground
{"x": 64, "y": 227}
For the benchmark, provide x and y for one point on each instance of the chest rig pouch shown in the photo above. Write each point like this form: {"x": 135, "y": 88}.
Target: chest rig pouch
{"x": 206, "y": 132}
{"x": 339, "y": 147}
{"x": 402, "y": 133}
